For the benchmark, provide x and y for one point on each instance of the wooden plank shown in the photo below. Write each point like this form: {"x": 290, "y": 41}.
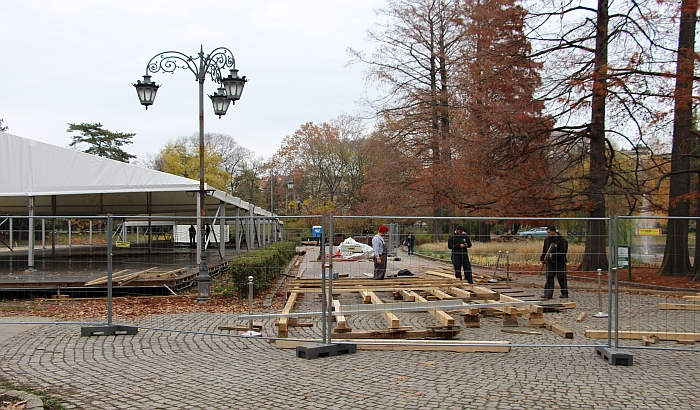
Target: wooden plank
{"x": 679, "y": 306}
{"x": 649, "y": 340}
{"x": 339, "y": 319}
{"x": 692, "y": 298}
{"x": 463, "y": 346}
{"x": 581, "y": 316}
{"x": 284, "y": 321}
{"x": 481, "y": 292}
{"x": 530, "y": 308}
{"x": 441, "y": 295}
{"x": 442, "y": 274}
{"x": 123, "y": 280}
{"x": 521, "y": 332}
{"x": 301, "y": 272}
{"x": 407, "y": 295}
{"x": 630, "y": 334}
{"x": 388, "y": 316}
{"x": 438, "y": 314}
{"x": 562, "y": 331}
{"x": 103, "y": 279}
{"x": 461, "y": 293}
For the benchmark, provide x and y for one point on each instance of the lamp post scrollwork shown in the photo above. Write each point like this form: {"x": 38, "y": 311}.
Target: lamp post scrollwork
{"x": 229, "y": 91}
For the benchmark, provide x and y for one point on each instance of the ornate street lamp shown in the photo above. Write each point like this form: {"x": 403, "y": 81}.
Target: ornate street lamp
{"x": 290, "y": 186}
{"x": 230, "y": 91}
{"x": 146, "y": 90}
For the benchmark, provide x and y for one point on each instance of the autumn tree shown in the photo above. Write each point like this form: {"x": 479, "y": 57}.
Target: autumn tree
{"x": 101, "y": 142}
{"x": 181, "y": 157}
{"x": 458, "y": 100}
{"x": 496, "y": 94}
{"x": 327, "y": 163}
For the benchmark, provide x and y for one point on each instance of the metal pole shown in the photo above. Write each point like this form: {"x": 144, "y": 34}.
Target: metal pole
{"x": 610, "y": 268}
{"x": 600, "y": 313}
{"x": 250, "y": 301}
{"x": 617, "y": 281}
{"x": 30, "y": 238}
{"x": 330, "y": 278}
{"x": 507, "y": 266}
{"x": 109, "y": 269}
{"x": 323, "y": 278}
{"x": 203, "y": 279}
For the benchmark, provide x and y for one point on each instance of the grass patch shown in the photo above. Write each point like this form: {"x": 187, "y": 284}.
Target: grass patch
{"x": 486, "y": 253}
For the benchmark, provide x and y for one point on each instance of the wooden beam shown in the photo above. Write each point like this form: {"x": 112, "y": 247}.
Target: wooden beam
{"x": 530, "y": 308}
{"x": 560, "y": 330}
{"x": 438, "y": 314}
{"x": 441, "y": 295}
{"x": 581, "y": 316}
{"x": 103, "y": 279}
{"x": 391, "y": 318}
{"x": 284, "y": 321}
{"x": 430, "y": 345}
{"x": 692, "y": 298}
{"x": 630, "y": 334}
{"x": 679, "y": 306}
{"x": 341, "y": 324}
{"x": 407, "y": 295}
{"x": 481, "y": 292}
{"x": 123, "y": 280}
{"x": 461, "y": 293}
{"x": 521, "y": 332}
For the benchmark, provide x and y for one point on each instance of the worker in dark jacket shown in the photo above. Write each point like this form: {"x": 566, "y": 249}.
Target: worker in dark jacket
{"x": 459, "y": 242}
{"x": 554, "y": 256}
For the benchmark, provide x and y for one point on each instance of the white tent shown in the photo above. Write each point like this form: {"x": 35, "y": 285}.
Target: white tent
{"x": 64, "y": 182}
{"x": 38, "y": 179}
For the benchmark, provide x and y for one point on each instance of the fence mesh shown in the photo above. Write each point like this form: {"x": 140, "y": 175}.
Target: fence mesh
{"x": 156, "y": 280}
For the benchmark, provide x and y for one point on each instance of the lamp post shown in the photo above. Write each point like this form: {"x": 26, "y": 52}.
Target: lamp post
{"x": 229, "y": 91}
{"x": 290, "y": 186}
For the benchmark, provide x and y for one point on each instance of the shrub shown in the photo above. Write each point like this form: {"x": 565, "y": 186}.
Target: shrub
{"x": 264, "y": 265}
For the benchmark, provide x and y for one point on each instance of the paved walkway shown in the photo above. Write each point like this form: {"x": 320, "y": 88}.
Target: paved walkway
{"x": 194, "y": 369}
{"x": 168, "y": 370}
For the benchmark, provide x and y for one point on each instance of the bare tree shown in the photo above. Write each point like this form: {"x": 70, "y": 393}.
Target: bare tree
{"x": 418, "y": 51}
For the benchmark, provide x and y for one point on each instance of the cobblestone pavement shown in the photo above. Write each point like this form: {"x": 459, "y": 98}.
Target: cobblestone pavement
{"x": 175, "y": 370}
{"x": 193, "y": 365}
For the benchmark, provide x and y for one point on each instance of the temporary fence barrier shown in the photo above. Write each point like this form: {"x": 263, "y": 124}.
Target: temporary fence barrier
{"x": 325, "y": 292}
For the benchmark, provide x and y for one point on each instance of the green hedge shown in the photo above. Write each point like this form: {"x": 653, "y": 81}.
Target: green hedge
{"x": 264, "y": 265}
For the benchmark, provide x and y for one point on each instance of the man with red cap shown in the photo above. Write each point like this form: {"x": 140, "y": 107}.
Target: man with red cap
{"x": 380, "y": 253}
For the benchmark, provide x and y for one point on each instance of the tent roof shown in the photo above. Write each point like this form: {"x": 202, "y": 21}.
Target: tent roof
{"x": 68, "y": 182}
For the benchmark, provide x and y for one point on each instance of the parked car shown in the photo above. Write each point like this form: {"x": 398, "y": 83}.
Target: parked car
{"x": 540, "y": 232}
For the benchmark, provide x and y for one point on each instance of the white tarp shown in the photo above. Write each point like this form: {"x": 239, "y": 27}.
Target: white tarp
{"x": 351, "y": 249}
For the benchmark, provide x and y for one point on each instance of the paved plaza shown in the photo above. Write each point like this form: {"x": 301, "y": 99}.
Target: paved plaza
{"x": 174, "y": 370}
{"x": 183, "y": 361}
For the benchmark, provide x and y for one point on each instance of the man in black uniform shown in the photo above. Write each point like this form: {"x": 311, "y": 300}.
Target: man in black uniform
{"x": 459, "y": 243}
{"x": 554, "y": 256}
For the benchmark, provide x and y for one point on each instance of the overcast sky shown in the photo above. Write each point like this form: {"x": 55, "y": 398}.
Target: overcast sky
{"x": 73, "y": 61}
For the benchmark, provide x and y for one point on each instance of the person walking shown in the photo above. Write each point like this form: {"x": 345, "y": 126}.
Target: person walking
{"x": 554, "y": 257}
{"x": 193, "y": 235}
{"x": 459, "y": 242}
{"x": 380, "y": 253}
{"x": 410, "y": 243}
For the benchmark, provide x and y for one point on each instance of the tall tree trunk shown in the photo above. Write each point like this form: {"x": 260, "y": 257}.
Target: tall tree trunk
{"x": 594, "y": 255}
{"x": 676, "y": 258}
